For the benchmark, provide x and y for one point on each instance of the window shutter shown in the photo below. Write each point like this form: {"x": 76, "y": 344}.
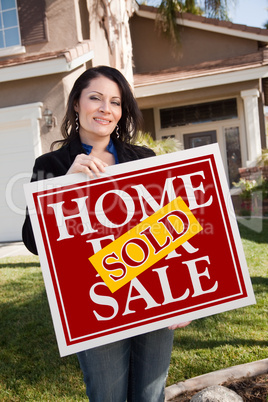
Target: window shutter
{"x": 32, "y": 21}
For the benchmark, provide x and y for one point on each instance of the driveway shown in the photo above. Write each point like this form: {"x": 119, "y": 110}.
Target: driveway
{"x": 12, "y": 249}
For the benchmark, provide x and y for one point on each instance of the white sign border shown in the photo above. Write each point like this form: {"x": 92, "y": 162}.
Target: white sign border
{"x": 36, "y": 187}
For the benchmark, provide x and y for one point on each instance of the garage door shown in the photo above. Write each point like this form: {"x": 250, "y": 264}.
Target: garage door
{"x": 19, "y": 146}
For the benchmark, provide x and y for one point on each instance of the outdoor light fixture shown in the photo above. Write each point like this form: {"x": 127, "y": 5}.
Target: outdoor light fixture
{"x": 49, "y": 118}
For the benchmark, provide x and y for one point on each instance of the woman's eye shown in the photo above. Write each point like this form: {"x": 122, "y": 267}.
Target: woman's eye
{"x": 116, "y": 103}
{"x": 94, "y": 98}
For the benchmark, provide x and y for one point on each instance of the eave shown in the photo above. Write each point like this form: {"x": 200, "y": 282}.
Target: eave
{"x": 209, "y": 74}
{"x": 45, "y": 64}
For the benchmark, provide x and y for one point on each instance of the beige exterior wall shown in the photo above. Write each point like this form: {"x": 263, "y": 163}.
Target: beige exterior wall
{"x": 51, "y": 90}
{"x": 55, "y": 100}
{"x": 196, "y": 96}
{"x": 105, "y": 23}
{"x": 112, "y": 43}
{"x": 154, "y": 52}
{"x": 99, "y": 43}
{"x": 61, "y": 27}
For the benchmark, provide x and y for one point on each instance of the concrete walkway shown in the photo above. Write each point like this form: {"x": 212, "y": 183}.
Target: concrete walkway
{"x": 13, "y": 249}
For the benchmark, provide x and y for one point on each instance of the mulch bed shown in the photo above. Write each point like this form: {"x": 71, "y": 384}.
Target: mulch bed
{"x": 251, "y": 389}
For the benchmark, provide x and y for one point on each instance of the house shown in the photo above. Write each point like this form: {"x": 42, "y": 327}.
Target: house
{"x": 44, "y": 46}
{"x": 211, "y": 88}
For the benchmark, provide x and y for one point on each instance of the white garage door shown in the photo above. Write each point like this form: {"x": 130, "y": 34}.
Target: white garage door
{"x": 19, "y": 146}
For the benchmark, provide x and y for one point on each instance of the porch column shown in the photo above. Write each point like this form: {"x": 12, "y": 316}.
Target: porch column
{"x": 253, "y": 134}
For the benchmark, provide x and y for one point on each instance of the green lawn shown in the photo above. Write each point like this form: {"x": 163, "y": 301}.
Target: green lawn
{"x": 234, "y": 337}
{"x": 30, "y": 366}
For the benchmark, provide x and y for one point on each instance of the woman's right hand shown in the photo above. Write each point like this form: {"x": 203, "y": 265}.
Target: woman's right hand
{"x": 87, "y": 164}
{"x": 181, "y": 325}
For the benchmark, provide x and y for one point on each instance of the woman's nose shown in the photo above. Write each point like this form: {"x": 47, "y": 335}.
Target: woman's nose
{"x": 104, "y": 107}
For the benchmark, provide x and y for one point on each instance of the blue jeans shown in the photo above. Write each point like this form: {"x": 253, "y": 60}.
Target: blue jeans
{"x": 134, "y": 369}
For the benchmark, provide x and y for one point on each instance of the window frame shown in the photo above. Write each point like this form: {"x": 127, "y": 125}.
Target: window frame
{"x": 14, "y": 49}
{"x": 188, "y": 109}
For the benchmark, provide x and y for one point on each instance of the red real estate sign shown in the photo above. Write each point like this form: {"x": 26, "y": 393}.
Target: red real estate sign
{"x": 149, "y": 244}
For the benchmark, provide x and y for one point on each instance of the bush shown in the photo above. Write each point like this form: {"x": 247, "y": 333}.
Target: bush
{"x": 160, "y": 147}
{"x": 263, "y": 159}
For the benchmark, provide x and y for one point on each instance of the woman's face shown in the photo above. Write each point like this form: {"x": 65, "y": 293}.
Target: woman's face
{"x": 99, "y": 109}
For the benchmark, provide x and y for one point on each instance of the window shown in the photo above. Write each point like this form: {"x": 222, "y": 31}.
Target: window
{"x": 9, "y": 24}
{"x": 194, "y": 140}
{"x": 199, "y": 113}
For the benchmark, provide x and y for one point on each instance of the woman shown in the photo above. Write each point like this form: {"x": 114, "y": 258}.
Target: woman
{"x": 101, "y": 120}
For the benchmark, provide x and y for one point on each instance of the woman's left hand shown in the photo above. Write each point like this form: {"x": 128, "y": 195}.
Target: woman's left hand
{"x": 181, "y": 325}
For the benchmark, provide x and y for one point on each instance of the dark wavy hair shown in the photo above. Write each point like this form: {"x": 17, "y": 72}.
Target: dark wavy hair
{"x": 131, "y": 118}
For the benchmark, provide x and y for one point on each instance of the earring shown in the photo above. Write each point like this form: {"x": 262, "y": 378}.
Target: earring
{"x": 117, "y": 131}
{"x": 77, "y": 122}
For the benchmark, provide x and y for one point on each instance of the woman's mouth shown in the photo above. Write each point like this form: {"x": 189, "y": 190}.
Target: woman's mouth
{"x": 102, "y": 121}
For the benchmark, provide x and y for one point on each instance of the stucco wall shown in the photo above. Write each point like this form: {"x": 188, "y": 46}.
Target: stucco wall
{"x": 197, "y": 95}
{"x": 154, "y": 52}
{"x": 62, "y": 27}
{"x": 110, "y": 35}
{"x": 51, "y": 90}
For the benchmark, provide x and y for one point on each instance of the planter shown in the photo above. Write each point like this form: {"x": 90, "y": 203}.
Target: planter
{"x": 217, "y": 377}
{"x": 250, "y": 207}
{"x": 253, "y": 173}
{"x": 253, "y": 185}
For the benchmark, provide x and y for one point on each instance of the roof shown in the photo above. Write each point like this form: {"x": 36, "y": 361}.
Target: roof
{"x": 211, "y": 73}
{"x": 210, "y": 24}
{"x": 208, "y": 73}
{"x": 34, "y": 65}
{"x": 68, "y": 54}
{"x": 252, "y": 60}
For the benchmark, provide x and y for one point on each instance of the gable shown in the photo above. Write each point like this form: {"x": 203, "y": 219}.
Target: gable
{"x": 153, "y": 51}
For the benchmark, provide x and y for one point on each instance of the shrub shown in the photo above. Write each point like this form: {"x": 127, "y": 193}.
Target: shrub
{"x": 160, "y": 147}
{"x": 253, "y": 195}
{"x": 263, "y": 159}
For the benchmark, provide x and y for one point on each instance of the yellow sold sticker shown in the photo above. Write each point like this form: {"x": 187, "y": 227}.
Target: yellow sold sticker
{"x": 145, "y": 244}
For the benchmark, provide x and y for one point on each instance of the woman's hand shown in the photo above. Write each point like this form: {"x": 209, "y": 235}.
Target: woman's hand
{"x": 181, "y": 325}
{"x": 87, "y": 164}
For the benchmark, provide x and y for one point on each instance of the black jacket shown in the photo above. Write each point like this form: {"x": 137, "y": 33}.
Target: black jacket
{"x": 57, "y": 163}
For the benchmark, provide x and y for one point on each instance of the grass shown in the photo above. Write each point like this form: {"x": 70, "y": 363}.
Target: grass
{"x": 30, "y": 366}
{"x": 231, "y": 338}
